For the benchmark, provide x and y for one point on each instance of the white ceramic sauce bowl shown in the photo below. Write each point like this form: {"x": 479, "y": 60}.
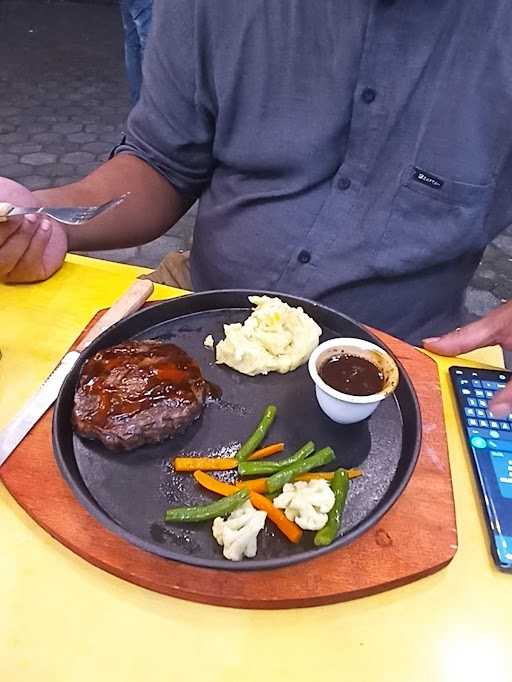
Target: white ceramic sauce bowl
{"x": 344, "y": 408}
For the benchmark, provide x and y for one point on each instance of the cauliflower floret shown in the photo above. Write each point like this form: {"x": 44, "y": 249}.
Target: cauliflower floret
{"x": 306, "y": 503}
{"x": 238, "y": 534}
{"x": 209, "y": 342}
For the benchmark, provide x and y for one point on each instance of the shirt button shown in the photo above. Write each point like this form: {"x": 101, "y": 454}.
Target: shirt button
{"x": 304, "y": 257}
{"x": 368, "y": 95}
{"x": 344, "y": 183}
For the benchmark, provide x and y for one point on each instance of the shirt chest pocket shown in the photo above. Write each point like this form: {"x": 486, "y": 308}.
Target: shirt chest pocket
{"x": 433, "y": 220}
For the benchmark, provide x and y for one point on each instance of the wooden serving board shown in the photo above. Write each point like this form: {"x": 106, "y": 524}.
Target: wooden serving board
{"x": 416, "y": 537}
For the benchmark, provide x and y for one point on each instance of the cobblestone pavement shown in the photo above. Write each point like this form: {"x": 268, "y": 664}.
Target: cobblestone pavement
{"x": 65, "y": 100}
{"x": 64, "y": 104}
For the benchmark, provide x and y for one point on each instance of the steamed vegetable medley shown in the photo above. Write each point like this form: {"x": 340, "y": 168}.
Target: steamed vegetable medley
{"x": 288, "y": 491}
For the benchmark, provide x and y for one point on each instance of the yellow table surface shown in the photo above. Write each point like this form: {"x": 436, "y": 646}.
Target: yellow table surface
{"x": 63, "y": 620}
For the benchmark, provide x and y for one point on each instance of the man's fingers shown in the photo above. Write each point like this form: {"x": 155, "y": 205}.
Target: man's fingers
{"x": 9, "y": 227}
{"x": 15, "y": 245}
{"x": 493, "y": 328}
{"x": 501, "y": 404}
{"x": 30, "y": 267}
{"x": 474, "y": 335}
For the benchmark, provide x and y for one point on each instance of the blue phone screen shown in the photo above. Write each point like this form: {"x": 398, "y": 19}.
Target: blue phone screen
{"x": 490, "y": 444}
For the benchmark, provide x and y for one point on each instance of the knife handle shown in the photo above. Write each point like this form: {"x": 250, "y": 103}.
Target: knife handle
{"x": 132, "y": 299}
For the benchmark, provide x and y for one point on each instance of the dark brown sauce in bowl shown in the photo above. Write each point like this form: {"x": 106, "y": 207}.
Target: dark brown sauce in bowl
{"x": 352, "y": 375}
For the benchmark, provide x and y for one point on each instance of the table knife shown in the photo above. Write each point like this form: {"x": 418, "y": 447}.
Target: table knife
{"x": 10, "y": 437}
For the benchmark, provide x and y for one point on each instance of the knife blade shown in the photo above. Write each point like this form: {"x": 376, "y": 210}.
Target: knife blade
{"x": 11, "y": 436}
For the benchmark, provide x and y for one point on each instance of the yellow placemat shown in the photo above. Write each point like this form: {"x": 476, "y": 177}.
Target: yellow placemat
{"x": 63, "y": 620}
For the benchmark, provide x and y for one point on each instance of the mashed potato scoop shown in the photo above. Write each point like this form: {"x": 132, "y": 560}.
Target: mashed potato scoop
{"x": 275, "y": 338}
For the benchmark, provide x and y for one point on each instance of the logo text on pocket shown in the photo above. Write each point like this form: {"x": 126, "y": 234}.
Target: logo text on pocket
{"x": 427, "y": 179}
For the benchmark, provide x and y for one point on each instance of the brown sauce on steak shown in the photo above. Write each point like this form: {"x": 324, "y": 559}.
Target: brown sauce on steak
{"x": 138, "y": 392}
{"x": 129, "y": 379}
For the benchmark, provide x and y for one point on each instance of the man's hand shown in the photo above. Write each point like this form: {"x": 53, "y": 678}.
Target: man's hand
{"x": 494, "y": 328}
{"x": 32, "y": 247}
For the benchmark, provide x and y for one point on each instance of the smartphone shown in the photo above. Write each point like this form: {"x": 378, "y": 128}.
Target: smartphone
{"x": 489, "y": 441}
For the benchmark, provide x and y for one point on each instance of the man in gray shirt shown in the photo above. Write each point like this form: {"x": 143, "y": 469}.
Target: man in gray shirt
{"x": 358, "y": 153}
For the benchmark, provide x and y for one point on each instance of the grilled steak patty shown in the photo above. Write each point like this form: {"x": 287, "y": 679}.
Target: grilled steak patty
{"x": 136, "y": 393}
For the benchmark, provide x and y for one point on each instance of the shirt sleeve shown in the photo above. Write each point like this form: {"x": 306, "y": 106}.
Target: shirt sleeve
{"x": 171, "y": 127}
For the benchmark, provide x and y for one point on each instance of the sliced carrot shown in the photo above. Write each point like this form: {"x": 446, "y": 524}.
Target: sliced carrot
{"x": 267, "y": 451}
{"x": 221, "y": 463}
{"x": 204, "y": 463}
{"x": 287, "y": 527}
{"x": 327, "y": 475}
{"x": 216, "y": 486}
{"x": 256, "y": 485}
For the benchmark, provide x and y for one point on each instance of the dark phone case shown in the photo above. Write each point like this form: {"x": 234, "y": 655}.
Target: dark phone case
{"x": 485, "y": 375}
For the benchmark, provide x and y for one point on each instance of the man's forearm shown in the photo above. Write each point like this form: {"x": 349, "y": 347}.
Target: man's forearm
{"x": 152, "y": 207}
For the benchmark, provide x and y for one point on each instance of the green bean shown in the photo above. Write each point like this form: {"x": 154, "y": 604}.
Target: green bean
{"x": 266, "y": 468}
{"x": 271, "y": 496}
{"x": 258, "y": 468}
{"x": 258, "y": 435}
{"x": 303, "y": 452}
{"x": 339, "y": 485}
{"x": 278, "y": 480}
{"x": 221, "y": 507}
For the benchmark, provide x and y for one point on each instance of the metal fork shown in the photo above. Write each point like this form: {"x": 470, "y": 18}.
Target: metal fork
{"x": 69, "y": 216}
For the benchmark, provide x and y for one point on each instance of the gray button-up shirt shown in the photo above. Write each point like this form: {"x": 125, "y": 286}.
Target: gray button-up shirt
{"x": 355, "y": 152}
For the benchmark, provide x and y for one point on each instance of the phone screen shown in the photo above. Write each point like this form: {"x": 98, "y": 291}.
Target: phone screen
{"x": 489, "y": 441}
